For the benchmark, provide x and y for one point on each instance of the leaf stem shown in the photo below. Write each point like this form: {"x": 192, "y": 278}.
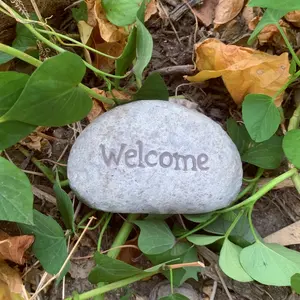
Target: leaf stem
{"x": 286, "y": 40}
{"x": 35, "y": 62}
{"x": 265, "y": 189}
{"x": 122, "y": 235}
{"x": 198, "y": 227}
{"x": 108, "y": 217}
{"x": 251, "y": 223}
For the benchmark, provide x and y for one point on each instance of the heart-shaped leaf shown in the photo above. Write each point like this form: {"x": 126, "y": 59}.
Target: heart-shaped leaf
{"x": 16, "y": 198}
{"x": 291, "y": 146}
{"x": 51, "y": 96}
{"x": 202, "y": 239}
{"x": 261, "y": 116}
{"x": 230, "y": 262}
{"x": 295, "y": 283}
{"x": 286, "y": 5}
{"x": 270, "y": 264}
{"x": 155, "y": 237}
{"x": 50, "y": 245}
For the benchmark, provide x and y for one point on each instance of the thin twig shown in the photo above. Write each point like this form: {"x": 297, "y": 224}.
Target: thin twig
{"x": 36, "y": 10}
{"x": 214, "y": 291}
{"x": 183, "y": 265}
{"x": 223, "y": 283}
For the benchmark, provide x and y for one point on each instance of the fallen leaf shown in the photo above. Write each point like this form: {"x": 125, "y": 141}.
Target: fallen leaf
{"x": 293, "y": 17}
{"x": 248, "y": 14}
{"x": 96, "y": 110}
{"x": 206, "y": 12}
{"x": 243, "y": 70}
{"x": 121, "y": 95}
{"x": 11, "y": 278}
{"x": 5, "y": 67}
{"x": 114, "y": 49}
{"x": 151, "y": 9}
{"x": 13, "y": 247}
{"x": 91, "y": 20}
{"x": 226, "y": 10}
{"x": 129, "y": 254}
{"x": 289, "y": 235}
{"x": 85, "y": 32}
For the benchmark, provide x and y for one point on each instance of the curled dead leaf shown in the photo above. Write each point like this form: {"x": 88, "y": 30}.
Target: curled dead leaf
{"x": 243, "y": 70}
{"x": 11, "y": 278}
{"x": 293, "y": 17}
{"x": 151, "y": 9}
{"x": 13, "y": 247}
{"x": 205, "y": 13}
{"x": 226, "y": 10}
{"x": 130, "y": 253}
{"x": 91, "y": 19}
{"x": 96, "y": 110}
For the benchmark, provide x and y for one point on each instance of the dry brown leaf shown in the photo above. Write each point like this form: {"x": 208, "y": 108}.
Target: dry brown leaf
{"x": 286, "y": 236}
{"x": 151, "y": 9}
{"x": 121, "y": 95}
{"x": 10, "y": 277}
{"x": 293, "y": 17}
{"x": 226, "y": 10}
{"x": 243, "y": 70}
{"x": 91, "y": 19}
{"x": 206, "y": 12}
{"x": 13, "y": 247}
{"x": 248, "y": 14}
{"x": 114, "y": 49}
{"x": 5, "y": 67}
{"x": 85, "y": 31}
{"x": 96, "y": 110}
{"x": 129, "y": 254}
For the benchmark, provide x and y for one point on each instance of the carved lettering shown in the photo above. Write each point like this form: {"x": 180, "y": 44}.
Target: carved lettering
{"x": 138, "y": 158}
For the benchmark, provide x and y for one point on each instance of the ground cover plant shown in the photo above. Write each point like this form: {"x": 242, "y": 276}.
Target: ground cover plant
{"x": 55, "y": 94}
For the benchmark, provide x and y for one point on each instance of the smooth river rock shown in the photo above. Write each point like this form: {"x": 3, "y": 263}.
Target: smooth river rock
{"x": 157, "y": 157}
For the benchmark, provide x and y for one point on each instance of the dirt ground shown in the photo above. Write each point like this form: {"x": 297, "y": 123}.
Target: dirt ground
{"x": 173, "y": 47}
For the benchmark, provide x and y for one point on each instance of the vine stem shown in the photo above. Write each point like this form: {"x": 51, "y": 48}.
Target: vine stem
{"x": 233, "y": 224}
{"x": 286, "y": 40}
{"x": 262, "y": 191}
{"x": 251, "y": 223}
{"x": 35, "y": 62}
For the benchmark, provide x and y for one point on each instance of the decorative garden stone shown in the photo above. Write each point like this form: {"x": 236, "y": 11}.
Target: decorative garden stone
{"x": 154, "y": 156}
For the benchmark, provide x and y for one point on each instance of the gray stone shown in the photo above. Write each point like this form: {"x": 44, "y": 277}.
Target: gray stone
{"x": 154, "y": 156}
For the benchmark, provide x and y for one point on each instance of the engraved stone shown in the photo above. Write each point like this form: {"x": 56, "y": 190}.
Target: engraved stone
{"x": 155, "y": 156}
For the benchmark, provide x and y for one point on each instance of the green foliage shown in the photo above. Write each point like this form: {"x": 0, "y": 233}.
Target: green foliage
{"x": 16, "y": 198}
{"x": 202, "y": 239}
{"x": 267, "y": 155}
{"x": 291, "y": 146}
{"x": 153, "y": 88}
{"x": 270, "y": 264}
{"x": 240, "y": 235}
{"x": 111, "y": 270}
{"x": 23, "y": 41}
{"x": 174, "y": 297}
{"x": 155, "y": 237}
{"x": 230, "y": 262}
{"x": 121, "y": 12}
{"x": 295, "y": 283}
{"x": 261, "y": 116}
{"x": 200, "y": 218}
{"x": 51, "y": 96}
{"x": 50, "y": 244}
{"x": 276, "y": 4}
{"x": 271, "y": 16}
{"x": 80, "y": 13}
{"x": 65, "y": 206}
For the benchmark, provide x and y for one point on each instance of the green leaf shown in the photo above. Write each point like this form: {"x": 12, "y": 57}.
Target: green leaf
{"x": 271, "y": 16}
{"x": 155, "y": 237}
{"x": 111, "y": 270}
{"x": 51, "y": 96}
{"x": 65, "y": 206}
{"x": 144, "y": 47}
{"x": 121, "y": 12}
{"x": 276, "y": 4}
{"x": 127, "y": 56}
{"x": 80, "y": 13}
{"x": 270, "y": 264}
{"x": 11, "y": 86}
{"x": 239, "y": 135}
{"x": 153, "y": 88}
{"x": 202, "y": 239}
{"x": 267, "y": 155}
{"x": 295, "y": 283}
{"x": 230, "y": 262}
{"x": 200, "y": 218}
{"x": 50, "y": 244}
{"x": 240, "y": 235}
{"x": 291, "y": 146}
{"x": 174, "y": 297}
{"x": 261, "y": 116}
{"x": 24, "y": 40}
{"x": 16, "y": 198}
{"x": 12, "y": 132}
